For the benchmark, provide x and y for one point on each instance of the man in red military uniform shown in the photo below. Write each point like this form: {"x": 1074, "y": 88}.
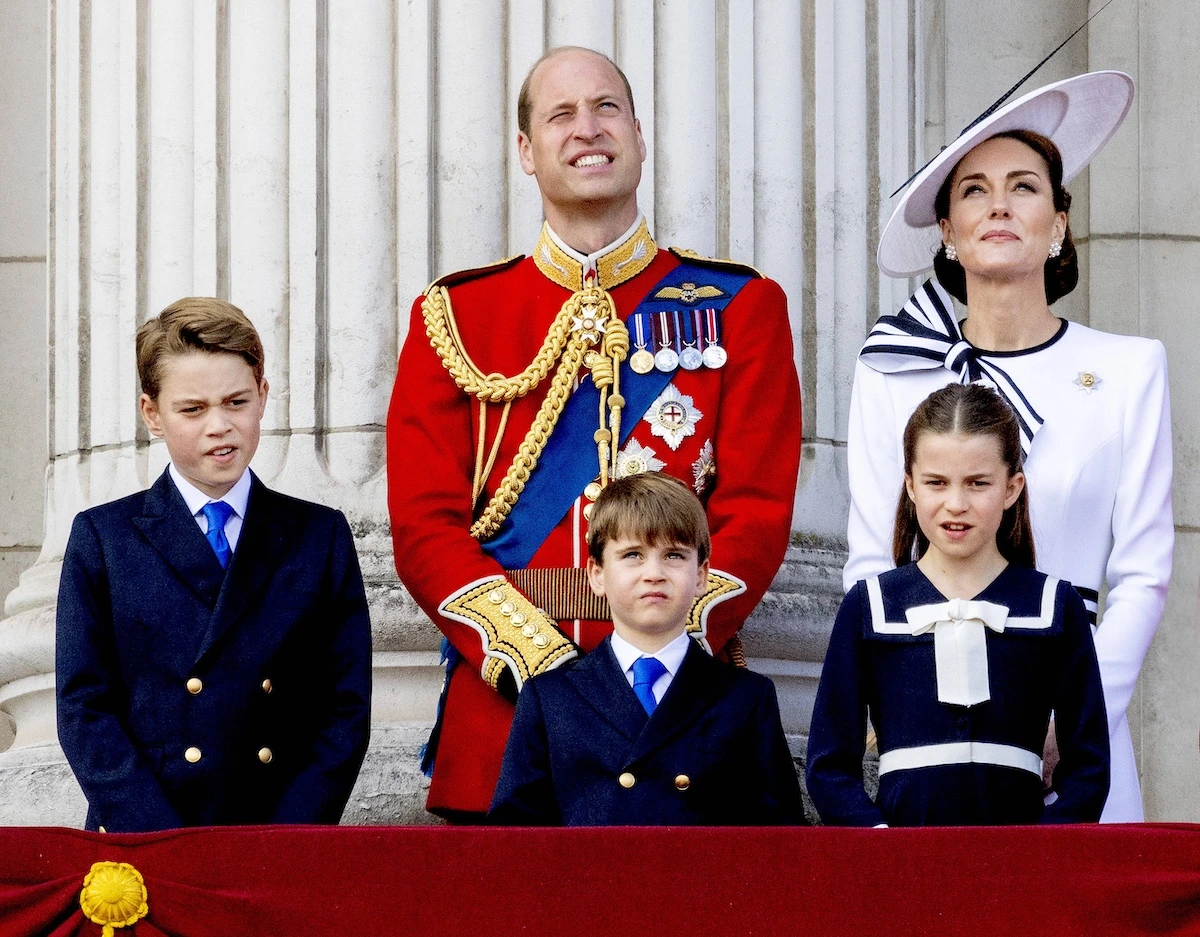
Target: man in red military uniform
{"x": 524, "y": 386}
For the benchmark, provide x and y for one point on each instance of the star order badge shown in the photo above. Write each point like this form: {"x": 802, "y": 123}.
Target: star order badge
{"x": 1087, "y": 381}
{"x": 673, "y": 416}
{"x": 704, "y": 469}
{"x": 636, "y": 458}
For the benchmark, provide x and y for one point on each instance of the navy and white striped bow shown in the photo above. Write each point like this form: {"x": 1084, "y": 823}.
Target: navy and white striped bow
{"x": 924, "y": 335}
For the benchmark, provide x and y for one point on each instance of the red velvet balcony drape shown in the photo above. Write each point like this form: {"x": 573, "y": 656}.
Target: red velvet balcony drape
{"x": 662, "y": 882}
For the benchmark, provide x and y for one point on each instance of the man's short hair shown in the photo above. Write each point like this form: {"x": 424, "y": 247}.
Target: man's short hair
{"x": 525, "y": 104}
{"x": 195, "y": 323}
{"x": 653, "y": 508}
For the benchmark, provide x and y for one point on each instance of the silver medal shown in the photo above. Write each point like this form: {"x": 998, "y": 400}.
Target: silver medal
{"x": 714, "y": 357}
{"x": 690, "y": 358}
{"x": 666, "y": 360}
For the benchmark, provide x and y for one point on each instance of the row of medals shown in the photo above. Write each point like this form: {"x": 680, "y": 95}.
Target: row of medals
{"x": 667, "y": 359}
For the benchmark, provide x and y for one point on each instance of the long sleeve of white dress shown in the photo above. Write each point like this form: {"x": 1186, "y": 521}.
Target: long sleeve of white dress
{"x": 1143, "y": 535}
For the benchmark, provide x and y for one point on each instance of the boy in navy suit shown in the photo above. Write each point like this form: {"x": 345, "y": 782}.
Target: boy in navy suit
{"x": 213, "y": 643}
{"x": 647, "y": 729}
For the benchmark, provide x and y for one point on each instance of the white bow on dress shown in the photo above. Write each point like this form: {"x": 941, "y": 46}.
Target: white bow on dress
{"x": 960, "y": 646}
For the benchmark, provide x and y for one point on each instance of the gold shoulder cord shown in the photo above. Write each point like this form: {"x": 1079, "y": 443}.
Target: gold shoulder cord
{"x": 586, "y": 319}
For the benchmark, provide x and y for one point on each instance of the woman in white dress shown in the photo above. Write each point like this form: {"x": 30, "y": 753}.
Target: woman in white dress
{"x": 990, "y": 214}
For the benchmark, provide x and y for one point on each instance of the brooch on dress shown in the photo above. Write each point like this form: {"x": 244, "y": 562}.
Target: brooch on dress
{"x": 1087, "y": 381}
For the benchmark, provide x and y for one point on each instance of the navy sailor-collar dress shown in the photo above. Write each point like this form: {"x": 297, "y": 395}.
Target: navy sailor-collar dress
{"x": 960, "y": 695}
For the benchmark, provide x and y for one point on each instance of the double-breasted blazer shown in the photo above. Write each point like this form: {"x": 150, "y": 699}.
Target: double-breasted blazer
{"x": 191, "y": 695}
{"x": 582, "y": 751}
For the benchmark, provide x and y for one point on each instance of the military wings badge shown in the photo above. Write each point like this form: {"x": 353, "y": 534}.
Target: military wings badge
{"x": 688, "y": 293}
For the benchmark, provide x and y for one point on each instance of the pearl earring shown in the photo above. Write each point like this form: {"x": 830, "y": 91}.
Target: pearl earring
{"x": 951, "y": 253}
{"x": 1055, "y": 248}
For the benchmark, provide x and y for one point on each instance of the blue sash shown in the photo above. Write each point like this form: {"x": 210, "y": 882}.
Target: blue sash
{"x": 569, "y": 462}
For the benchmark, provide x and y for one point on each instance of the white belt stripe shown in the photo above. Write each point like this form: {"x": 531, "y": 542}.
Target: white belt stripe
{"x": 960, "y": 753}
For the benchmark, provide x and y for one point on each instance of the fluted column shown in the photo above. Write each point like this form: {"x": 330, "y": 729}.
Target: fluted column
{"x": 1145, "y": 264}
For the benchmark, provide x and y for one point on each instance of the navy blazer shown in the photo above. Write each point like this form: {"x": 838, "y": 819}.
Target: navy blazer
{"x": 582, "y": 751}
{"x": 191, "y": 695}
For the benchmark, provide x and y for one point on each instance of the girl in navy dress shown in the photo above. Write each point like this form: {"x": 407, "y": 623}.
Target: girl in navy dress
{"x": 960, "y": 654}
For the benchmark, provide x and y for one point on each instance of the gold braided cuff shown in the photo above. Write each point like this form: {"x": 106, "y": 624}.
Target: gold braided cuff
{"x": 515, "y": 634}
{"x": 493, "y": 670}
{"x": 721, "y": 586}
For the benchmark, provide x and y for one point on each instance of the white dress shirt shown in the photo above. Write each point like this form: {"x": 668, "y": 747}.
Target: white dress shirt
{"x": 670, "y": 657}
{"x": 236, "y": 497}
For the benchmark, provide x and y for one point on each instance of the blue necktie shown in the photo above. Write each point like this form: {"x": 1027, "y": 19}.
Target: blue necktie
{"x": 646, "y": 671}
{"x": 218, "y": 513}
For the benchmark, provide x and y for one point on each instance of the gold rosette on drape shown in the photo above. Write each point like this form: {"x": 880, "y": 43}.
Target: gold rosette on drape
{"x": 114, "y": 895}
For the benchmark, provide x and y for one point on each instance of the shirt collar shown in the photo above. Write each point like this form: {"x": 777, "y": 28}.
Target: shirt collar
{"x": 671, "y": 656}
{"x": 236, "y": 497}
{"x": 613, "y": 264}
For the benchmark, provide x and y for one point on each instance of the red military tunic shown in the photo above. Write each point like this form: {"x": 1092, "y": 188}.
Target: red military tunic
{"x": 732, "y": 433}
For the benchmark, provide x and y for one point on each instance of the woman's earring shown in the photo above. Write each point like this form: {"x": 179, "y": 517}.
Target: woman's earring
{"x": 1055, "y": 249}
{"x": 952, "y": 254}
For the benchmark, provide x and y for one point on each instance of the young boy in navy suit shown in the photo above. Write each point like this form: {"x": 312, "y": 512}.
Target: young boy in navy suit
{"x": 213, "y": 643}
{"x": 647, "y": 729}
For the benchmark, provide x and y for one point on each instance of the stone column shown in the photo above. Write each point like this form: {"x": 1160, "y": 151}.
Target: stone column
{"x": 318, "y": 162}
{"x": 23, "y": 224}
{"x": 1145, "y": 250}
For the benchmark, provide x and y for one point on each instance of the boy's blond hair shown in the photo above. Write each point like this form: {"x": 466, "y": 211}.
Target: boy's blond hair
{"x": 650, "y": 507}
{"x": 195, "y": 323}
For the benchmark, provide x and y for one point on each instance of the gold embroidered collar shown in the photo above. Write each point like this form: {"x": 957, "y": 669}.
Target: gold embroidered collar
{"x": 620, "y": 261}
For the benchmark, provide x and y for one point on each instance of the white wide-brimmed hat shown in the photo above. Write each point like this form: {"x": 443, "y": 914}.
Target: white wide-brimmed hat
{"x": 1079, "y": 114}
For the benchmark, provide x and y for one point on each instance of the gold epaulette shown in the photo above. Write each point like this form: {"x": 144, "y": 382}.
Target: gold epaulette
{"x": 474, "y": 273}
{"x": 718, "y": 262}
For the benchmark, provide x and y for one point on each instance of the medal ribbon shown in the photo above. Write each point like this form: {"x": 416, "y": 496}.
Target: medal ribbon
{"x": 924, "y": 336}
{"x": 712, "y": 332}
{"x": 639, "y": 330}
{"x": 665, "y": 338}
